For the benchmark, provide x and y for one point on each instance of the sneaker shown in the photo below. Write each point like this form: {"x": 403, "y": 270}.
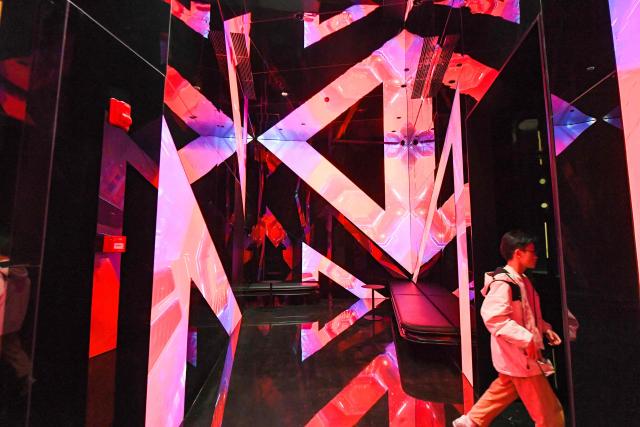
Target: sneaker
{"x": 464, "y": 421}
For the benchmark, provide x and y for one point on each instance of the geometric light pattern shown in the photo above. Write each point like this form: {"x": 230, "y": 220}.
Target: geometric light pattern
{"x": 193, "y": 108}
{"x": 204, "y": 153}
{"x": 408, "y": 169}
{"x": 568, "y": 123}
{"x": 508, "y": 10}
{"x": 197, "y": 17}
{"x": 313, "y": 338}
{"x": 217, "y": 141}
{"x": 443, "y": 227}
{"x": 184, "y": 254}
{"x": 360, "y": 395}
{"x": 315, "y": 31}
{"x": 313, "y": 263}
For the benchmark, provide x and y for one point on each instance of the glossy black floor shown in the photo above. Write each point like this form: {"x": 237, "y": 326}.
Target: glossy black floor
{"x": 323, "y": 364}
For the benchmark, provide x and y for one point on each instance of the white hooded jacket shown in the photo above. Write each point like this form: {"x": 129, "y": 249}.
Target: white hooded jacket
{"x": 512, "y": 324}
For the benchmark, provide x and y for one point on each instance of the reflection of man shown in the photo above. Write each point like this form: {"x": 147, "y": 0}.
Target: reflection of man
{"x": 511, "y": 313}
{"x": 14, "y": 300}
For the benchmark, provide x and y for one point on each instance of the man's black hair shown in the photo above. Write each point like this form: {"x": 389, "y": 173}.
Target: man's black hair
{"x": 512, "y": 240}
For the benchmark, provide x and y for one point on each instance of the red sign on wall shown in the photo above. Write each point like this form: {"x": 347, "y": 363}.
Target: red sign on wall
{"x": 120, "y": 114}
{"x": 114, "y": 244}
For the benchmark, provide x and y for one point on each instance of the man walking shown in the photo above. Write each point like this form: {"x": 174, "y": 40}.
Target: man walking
{"x": 511, "y": 313}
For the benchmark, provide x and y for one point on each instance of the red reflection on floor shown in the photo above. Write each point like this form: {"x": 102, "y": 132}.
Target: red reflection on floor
{"x": 223, "y": 389}
{"x": 362, "y": 393}
{"x": 313, "y": 338}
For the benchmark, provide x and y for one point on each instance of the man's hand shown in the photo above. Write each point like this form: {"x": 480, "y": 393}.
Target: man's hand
{"x": 532, "y": 350}
{"x": 554, "y": 339}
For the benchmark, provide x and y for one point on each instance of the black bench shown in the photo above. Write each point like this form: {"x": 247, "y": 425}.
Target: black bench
{"x": 276, "y": 287}
{"x": 426, "y": 313}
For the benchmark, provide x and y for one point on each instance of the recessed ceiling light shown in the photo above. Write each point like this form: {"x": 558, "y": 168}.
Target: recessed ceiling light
{"x": 284, "y": 93}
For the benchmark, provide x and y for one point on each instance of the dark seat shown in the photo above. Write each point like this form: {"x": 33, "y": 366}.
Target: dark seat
{"x": 276, "y": 288}
{"x": 426, "y": 313}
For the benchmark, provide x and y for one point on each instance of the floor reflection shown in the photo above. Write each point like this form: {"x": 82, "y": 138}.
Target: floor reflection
{"x": 313, "y": 338}
{"x": 324, "y": 365}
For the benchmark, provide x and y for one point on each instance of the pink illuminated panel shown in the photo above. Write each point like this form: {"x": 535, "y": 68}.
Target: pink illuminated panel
{"x": 313, "y": 338}
{"x": 506, "y": 9}
{"x": 203, "y": 154}
{"x": 313, "y": 262}
{"x": 238, "y": 26}
{"x": 193, "y": 108}
{"x": 197, "y": 17}
{"x": 184, "y": 254}
{"x": 470, "y": 76}
{"x": 217, "y": 141}
{"x": 625, "y": 21}
{"x": 461, "y": 202}
{"x": 314, "y": 30}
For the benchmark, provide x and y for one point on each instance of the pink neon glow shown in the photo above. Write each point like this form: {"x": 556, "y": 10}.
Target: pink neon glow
{"x": 568, "y": 123}
{"x": 471, "y": 77}
{"x": 358, "y": 397}
{"x": 315, "y": 31}
{"x": 313, "y": 338}
{"x": 454, "y": 131}
{"x": 506, "y": 9}
{"x": 313, "y": 262}
{"x": 625, "y": 21}
{"x": 217, "y": 142}
{"x": 184, "y": 253}
{"x": 197, "y": 17}
{"x": 203, "y": 154}
{"x": 408, "y": 171}
{"x": 238, "y": 25}
{"x": 193, "y": 108}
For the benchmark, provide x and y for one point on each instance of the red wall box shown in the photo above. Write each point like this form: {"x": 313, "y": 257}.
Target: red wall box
{"x": 113, "y": 244}
{"x": 120, "y": 114}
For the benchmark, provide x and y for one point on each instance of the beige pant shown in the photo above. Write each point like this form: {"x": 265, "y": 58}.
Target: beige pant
{"x": 535, "y": 392}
